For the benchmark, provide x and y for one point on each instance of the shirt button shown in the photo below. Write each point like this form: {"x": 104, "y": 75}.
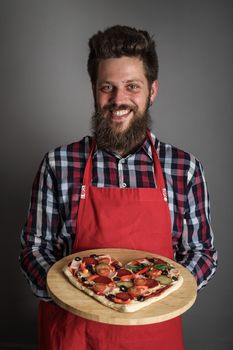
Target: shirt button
{"x": 124, "y": 184}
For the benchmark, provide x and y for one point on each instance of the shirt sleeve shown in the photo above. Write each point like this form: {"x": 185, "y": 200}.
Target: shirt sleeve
{"x": 40, "y": 244}
{"x": 196, "y": 249}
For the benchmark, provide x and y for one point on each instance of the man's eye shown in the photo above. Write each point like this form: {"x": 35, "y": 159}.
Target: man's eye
{"x": 132, "y": 87}
{"x": 106, "y": 88}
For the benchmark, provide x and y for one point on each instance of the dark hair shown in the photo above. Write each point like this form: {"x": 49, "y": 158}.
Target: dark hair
{"x": 118, "y": 41}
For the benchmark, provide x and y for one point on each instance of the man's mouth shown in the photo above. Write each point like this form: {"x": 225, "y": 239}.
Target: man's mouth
{"x": 120, "y": 114}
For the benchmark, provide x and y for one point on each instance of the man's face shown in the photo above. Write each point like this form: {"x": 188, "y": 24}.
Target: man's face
{"x": 122, "y": 93}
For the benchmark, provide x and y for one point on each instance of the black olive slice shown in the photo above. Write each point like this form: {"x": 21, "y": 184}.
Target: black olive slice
{"x": 123, "y": 288}
{"x": 91, "y": 269}
{"x": 116, "y": 278}
{"x": 110, "y": 296}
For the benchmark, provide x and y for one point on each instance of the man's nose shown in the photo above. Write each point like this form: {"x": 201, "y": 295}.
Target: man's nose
{"x": 118, "y": 96}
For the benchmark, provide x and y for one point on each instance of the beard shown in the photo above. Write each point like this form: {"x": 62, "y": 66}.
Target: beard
{"x": 111, "y": 138}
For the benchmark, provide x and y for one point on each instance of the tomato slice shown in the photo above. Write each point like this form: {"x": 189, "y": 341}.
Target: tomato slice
{"x": 141, "y": 272}
{"x": 103, "y": 269}
{"x": 135, "y": 262}
{"x": 139, "y": 281}
{"x": 154, "y": 272}
{"x": 99, "y": 288}
{"x": 104, "y": 260}
{"x": 137, "y": 290}
{"x": 89, "y": 260}
{"x": 92, "y": 277}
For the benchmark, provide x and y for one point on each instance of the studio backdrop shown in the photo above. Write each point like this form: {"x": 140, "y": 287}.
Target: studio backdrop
{"x": 46, "y": 101}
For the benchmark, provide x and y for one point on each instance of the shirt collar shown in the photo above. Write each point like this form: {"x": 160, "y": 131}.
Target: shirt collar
{"x": 146, "y": 146}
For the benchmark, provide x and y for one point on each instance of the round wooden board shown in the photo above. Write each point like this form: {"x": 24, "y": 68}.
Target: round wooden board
{"x": 71, "y": 299}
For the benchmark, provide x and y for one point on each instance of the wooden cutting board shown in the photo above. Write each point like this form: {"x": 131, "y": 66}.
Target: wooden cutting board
{"x": 71, "y": 299}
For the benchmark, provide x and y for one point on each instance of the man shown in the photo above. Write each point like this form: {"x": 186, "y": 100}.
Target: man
{"x": 137, "y": 193}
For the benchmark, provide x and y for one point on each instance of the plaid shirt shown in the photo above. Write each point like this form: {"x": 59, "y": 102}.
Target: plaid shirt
{"x": 50, "y": 228}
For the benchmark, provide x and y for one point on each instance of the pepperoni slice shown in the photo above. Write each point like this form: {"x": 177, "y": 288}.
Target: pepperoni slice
{"x": 123, "y": 272}
{"x": 157, "y": 292}
{"x": 123, "y": 296}
{"x": 151, "y": 283}
{"x": 103, "y": 279}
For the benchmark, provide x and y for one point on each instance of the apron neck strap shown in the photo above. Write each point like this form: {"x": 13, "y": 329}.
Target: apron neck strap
{"x": 157, "y": 167}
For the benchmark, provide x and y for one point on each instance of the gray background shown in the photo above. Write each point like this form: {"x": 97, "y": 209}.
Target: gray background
{"x": 46, "y": 101}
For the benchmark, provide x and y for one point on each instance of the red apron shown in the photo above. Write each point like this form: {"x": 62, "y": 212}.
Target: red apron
{"x": 133, "y": 218}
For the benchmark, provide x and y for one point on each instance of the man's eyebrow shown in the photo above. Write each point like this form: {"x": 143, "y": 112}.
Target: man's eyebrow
{"x": 105, "y": 82}
{"x": 123, "y": 81}
{"x": 133, "y": 81}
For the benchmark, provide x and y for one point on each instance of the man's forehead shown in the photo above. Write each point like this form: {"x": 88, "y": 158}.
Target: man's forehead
{"x": 124, "y": 68}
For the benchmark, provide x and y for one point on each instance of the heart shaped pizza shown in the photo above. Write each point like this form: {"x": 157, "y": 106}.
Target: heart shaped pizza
{"x": 126, "y": 288}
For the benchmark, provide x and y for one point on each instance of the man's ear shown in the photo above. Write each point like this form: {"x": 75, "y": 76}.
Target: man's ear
{"x": 153, "y": 91}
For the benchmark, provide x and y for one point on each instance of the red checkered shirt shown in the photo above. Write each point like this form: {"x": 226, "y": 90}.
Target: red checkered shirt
{"x": 49, "y": 232}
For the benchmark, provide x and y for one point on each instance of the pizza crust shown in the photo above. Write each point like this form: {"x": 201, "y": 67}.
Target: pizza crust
{"x": 134, "y": 305}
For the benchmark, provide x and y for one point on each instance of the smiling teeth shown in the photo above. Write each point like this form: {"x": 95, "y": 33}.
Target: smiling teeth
{"x": 121, "y": 113}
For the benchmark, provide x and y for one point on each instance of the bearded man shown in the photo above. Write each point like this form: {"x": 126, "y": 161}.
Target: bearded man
{"x": 120, "y": 188}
